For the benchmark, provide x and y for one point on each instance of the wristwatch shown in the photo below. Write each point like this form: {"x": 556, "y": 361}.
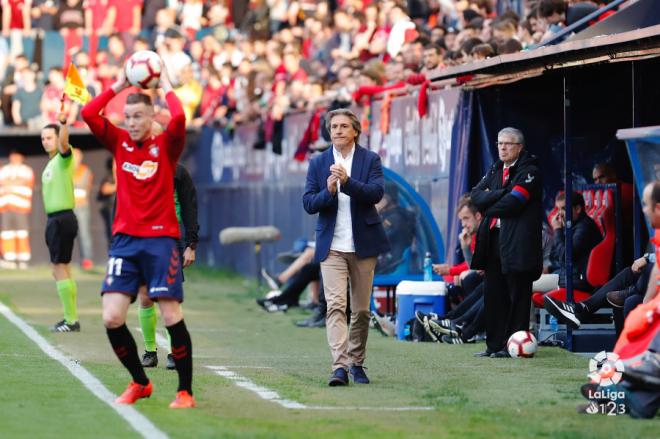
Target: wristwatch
{"x": 650, "y": 258}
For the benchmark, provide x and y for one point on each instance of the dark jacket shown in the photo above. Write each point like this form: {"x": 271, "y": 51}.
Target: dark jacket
{"x": 586, "y": 236}
{"x": 185, "y": 198}
{"x": 365, "y": 186}
{"x": 518, "y": 205}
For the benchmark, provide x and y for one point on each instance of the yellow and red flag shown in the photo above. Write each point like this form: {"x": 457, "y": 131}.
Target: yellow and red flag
{"x": 74, "y": 87}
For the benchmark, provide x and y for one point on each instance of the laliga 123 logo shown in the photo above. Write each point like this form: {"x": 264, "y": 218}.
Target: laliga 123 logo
{"x": 605, "y": 369}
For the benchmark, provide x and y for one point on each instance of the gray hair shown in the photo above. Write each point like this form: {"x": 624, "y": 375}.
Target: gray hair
{"x": 355, "y": 122}
{"x": 515, "y": 132}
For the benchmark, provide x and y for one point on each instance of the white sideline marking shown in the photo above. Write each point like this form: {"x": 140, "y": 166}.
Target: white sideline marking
{"x": 272, "y": 396}
{"x": 262, "y": 392}
{"x": 139, "y": 422}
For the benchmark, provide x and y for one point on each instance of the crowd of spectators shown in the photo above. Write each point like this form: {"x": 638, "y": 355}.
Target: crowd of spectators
{"x": 259, "y": 59}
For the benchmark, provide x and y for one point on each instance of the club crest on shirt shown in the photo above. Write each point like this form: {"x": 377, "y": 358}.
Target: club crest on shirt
{"x": 48, "y": 174}
{"x": 153, "y": 151}
{"x": 141, "y": 172}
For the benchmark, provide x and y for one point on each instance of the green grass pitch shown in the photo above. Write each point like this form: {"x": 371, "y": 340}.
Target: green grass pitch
{"x": 470, "y": 397}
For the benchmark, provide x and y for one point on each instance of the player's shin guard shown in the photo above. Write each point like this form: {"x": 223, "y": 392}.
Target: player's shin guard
{"x": 124, "y": 346}
{"x": 182, "y": 352}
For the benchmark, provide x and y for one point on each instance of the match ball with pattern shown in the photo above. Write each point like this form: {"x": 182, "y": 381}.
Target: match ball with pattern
{"x": 143, "y": 69}
{"x": 522, "y": 344}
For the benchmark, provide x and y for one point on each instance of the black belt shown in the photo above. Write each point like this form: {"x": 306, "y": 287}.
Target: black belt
{"x": 60, "y": 213}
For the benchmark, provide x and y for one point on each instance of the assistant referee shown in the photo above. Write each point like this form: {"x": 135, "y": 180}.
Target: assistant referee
{"x": 62, "y": 226}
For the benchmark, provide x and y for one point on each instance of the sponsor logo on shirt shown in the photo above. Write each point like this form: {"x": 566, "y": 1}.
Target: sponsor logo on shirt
{"x": 127, "y": 148}
{"x": 141, "y": 172}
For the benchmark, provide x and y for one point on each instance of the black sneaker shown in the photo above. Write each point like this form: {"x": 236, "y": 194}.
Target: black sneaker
{"x": 171, "y": 365}
{"x": 150, "y": 359}
{"x": 564, "y": 312}
{"x": 457, "y": 340}
{"x": 617, "y": 298}
{"x": 483, "y": 354}
{"x": 316, "y": 320}
{"x": 271, "y": 307}
{"x": 271, "y": 280}
{"x": 339, "y": 377}
{"x": 500, "y": 354}
{"x": 444, "y": 326}
{"x": 420, "y": 316}
{"x": 435, "y": 335}
{"x": 63, "y": 326}
{"x": 359, "y": 376}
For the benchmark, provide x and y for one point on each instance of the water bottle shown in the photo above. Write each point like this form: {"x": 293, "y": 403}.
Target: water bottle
{"x": 554, "y": 325}
{"x": 428, "y": 268}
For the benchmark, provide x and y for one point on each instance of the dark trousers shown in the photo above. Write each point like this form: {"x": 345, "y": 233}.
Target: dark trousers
{"x": 507, "y": 298}
{"x": 477, "y": 321}
{"x": 295, "y": 287}
{"x": 466, "y": 304}
{"x": 624, "y": 279}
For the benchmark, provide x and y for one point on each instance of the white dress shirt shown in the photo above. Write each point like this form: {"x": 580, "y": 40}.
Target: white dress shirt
{"x": 342, "y": 240}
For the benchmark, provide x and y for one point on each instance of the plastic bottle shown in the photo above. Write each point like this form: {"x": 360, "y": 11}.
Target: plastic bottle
{"x": 554, "y": 325}
{"x": 428, "y": 268}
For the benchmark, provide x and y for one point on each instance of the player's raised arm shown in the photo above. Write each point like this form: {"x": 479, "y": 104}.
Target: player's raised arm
{"x": 101, "y": 127}
{"x": 176, "y": 128}
{"x": 63, "y": 143}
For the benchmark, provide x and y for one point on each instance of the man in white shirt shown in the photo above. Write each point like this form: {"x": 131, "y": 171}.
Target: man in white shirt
{"x": 343, "y": 186}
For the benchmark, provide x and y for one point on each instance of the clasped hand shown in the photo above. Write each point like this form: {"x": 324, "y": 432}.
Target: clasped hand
{"x": 337, "y": 174}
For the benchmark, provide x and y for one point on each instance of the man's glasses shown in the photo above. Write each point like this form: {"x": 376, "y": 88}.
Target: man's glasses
{"x": 507, "y": 143}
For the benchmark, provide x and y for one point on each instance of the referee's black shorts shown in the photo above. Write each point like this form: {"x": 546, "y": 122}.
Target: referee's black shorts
{"x": 61, "y": 231}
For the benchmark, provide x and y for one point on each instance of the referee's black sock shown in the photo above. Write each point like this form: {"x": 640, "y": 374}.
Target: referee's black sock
{"x": 182, "y": 353}
{"x": 126, "y": 350}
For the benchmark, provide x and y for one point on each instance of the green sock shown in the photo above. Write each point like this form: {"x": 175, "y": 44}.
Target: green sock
{"x": 148, "y": 321}
{"x": 66, "y": 289}
{"x": 74, "y": 297}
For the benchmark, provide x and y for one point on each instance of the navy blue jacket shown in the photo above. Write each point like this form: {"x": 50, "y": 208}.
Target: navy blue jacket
{"x": 365, "y": 186}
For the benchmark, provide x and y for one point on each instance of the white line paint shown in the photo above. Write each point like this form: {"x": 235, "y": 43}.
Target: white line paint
{"x": 272, "y": 396}
{"x": 262, "y": 392}
{"x": 139, "y": 422}
{"x": 375, "y": 409}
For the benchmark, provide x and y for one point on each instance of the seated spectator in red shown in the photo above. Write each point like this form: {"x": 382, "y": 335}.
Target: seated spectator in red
{"x": 470, "y": 219}
{"x": 586, "y": 236}
{"x": 126, "y": 18}
{"x": 70, "y": 21}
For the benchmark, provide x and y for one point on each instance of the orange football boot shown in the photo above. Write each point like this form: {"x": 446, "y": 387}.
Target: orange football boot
{"x": 184, "y": 400}
{"x": 133, "y": 392}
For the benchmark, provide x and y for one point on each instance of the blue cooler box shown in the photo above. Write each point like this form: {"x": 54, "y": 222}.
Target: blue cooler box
{"x": 417, "y": 296}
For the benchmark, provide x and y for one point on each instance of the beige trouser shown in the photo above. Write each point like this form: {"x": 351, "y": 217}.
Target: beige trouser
{"x": 347, "y": 348}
